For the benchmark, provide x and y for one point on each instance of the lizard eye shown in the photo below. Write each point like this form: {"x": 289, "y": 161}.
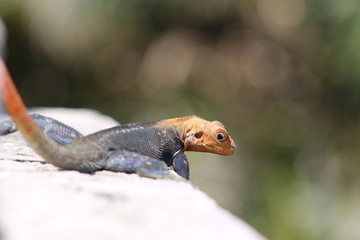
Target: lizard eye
{"x": 221, "y": 136}
{"x": 198, "y": 134}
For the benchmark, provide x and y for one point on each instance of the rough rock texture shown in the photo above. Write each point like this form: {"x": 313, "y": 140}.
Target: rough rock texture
{"x": 38, "y": 201}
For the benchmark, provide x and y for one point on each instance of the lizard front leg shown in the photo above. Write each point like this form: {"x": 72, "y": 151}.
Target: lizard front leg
{"x": 54, "y": 129}
{"x": 130, "y": 162}
{"x": 181, "y": 164}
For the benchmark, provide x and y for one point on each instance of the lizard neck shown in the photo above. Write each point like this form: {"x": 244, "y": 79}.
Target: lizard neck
{"x": 181, "y": 125}
{"x": 187, "y": 127}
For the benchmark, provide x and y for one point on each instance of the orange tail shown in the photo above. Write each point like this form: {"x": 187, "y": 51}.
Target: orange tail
{"x": 15, "y": 105}
{"x": 81, "y": 157}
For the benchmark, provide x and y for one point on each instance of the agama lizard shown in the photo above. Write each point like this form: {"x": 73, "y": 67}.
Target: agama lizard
{"x": 148, "y": 149}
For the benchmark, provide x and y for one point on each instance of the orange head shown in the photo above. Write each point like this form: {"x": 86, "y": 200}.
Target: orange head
{"x": 204, "y": 136}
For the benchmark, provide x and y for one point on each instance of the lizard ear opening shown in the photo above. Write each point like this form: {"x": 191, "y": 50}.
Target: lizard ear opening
{"x": 198, "y": 134}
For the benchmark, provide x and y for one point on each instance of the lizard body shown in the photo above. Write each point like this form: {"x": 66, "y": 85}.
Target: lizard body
{"x": 144, "y": 148}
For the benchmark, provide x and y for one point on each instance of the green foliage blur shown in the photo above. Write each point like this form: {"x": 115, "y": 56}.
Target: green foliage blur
{"x": 282, "y": 75}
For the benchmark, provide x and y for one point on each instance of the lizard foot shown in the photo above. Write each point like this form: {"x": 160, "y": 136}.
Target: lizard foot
{"x": 129, "y": 162}
{"x": 158, "y": 170}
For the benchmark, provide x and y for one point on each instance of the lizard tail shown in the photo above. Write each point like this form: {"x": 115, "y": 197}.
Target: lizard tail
{"x": 58, "y": 155}
{"x": 16, "y": 107}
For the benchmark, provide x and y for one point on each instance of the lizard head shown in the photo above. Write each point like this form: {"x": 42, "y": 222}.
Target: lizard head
{"x": 205, "y": 136}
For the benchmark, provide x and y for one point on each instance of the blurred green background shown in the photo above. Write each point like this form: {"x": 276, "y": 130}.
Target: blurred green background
{"x": 282, "y": 75}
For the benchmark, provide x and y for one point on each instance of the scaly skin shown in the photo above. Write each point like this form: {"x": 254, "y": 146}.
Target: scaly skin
{"x": 141, "y": 148}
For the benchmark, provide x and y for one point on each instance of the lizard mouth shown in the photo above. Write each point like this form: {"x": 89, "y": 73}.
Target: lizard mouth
{"x": 220, "y": 150}
{"x": 230, "y": 151}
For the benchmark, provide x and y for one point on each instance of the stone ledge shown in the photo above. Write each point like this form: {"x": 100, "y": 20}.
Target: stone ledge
{"x": 38, "y": 201}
